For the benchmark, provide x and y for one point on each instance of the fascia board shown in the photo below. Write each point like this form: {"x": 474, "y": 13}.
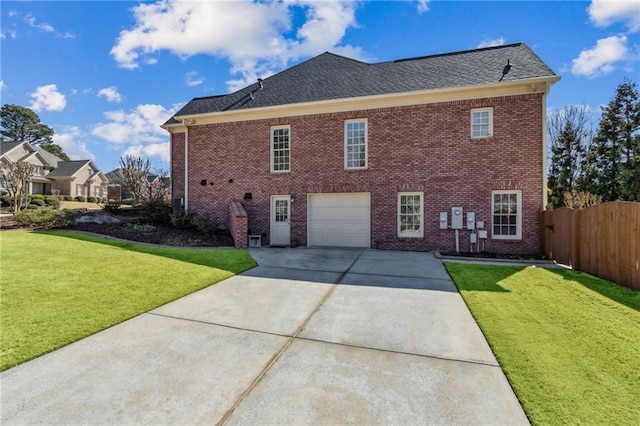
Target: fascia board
{"x": 491, "y": 90}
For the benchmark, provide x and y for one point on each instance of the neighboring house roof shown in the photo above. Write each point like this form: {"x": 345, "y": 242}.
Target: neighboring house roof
{"x": 329, "y": 76}
{"x": 51, "y": 159}
{"x": 68, "y": 168}
{"x": 8, "y": 146}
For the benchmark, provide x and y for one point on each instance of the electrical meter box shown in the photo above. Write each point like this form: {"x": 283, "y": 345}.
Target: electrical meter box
{"x": 471, "y": 220}
{"x": 456, "y": 217}
{"x": 443, "y": 220}
{"x": 482, "y": 233}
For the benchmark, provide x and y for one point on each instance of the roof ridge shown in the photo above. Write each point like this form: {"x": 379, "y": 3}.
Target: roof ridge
{"x": 459, "y": 52}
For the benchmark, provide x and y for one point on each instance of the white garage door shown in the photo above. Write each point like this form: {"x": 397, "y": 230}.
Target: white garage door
{"x": 339, "y": 220}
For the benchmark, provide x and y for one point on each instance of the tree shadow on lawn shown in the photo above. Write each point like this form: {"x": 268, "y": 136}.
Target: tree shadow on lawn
{"x": 230, "y": 260}
{"x": 616, "y": 292}
{"x": 471, "y": 277}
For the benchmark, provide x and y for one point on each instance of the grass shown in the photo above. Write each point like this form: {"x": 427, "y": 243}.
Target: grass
{"x": 568, "y": 342}
{"x": 58, "y": 287}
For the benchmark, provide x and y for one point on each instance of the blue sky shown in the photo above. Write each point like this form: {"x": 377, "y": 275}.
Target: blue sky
{"x": 106, "y": 74}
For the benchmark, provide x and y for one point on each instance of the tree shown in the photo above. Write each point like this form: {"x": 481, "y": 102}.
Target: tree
{"x": 611, "y": 166}
{"x": 569, "y": 133}
{"x": 20, "y": 124}
{"x": 134, "y": 174}
{"x": 15, "y": 177}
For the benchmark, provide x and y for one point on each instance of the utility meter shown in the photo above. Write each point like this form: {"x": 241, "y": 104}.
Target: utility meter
{"x": 456, "y": 217}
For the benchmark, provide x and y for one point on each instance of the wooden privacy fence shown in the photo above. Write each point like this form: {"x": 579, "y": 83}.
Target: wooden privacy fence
{"x": 603, "y": 240}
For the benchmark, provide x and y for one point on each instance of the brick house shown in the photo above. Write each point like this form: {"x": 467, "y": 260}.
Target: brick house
{"x": 54, "y": 175}
{"x": 416, "y": 154}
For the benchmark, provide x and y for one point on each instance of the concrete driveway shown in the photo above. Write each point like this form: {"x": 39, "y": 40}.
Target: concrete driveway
{"x": 311, "y": 336}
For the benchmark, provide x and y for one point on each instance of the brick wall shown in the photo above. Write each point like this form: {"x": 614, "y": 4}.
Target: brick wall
{"x": 424, "y": 148}
{"x": 238, "y": 224}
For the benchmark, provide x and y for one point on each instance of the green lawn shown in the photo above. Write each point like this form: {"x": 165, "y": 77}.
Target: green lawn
{"x": 58, "y": 287}
{"x": 568, "y": 342}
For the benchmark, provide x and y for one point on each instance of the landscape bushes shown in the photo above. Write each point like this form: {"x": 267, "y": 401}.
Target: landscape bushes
{"x": 45, "y": 218}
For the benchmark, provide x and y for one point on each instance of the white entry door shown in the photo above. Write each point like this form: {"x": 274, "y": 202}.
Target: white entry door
{"x": 280, "y": 223}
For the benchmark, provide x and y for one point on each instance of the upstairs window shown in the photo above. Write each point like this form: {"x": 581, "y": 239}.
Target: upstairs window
{"x": 507, "y": 214}
{"x": 89, "y": 171}
{"x": 280, "y": 149}
{"x": 355, "y": 144}
{"x": 37, "y": 170}
{"x": 481, "y": 123}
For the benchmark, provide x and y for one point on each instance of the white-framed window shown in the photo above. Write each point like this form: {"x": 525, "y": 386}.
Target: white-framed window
{"x": 481, "y": 123}
{"x": 98, "y": 191}
{"x": 280, "y": 149}
{"x": 410, "y": 211}
{"x": 37, "y": 170}
{"x": 355, "y": 144}
{"x": 506, "y": 206}
{"x": 79, "y": 189}
{"x": 89, "y": 171}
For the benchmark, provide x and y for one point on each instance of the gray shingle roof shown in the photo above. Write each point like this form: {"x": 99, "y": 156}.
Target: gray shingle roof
{"x": 8, "y": 146}
{"x": 329, "y": 76}
{"x": 51, "y": 159}
{"x": 67, "y": 168}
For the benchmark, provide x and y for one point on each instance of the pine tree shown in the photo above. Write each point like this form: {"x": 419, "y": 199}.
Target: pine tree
{"x": 611, "y": 166}
{"x": 568, "y": 134}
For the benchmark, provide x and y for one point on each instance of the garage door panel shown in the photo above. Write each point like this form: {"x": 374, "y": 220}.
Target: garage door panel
{"x": 339, "y": 220}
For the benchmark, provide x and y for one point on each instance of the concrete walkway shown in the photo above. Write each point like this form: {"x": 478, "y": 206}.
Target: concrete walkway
{"x": 311, "y": 336}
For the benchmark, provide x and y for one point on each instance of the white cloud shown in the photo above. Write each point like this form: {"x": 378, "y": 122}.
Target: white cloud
{"x": 488, "y": 42}
{"x": 251, "y": 35}
{"x": 68, "y": 140}
{"x": 31, "y": 20}
{"x": 193, "y": 78}
{"x": 48, "y": 98}
{"x": 137, "y": 127}
{"x": 605, "y": 12}
{"x": 13, "y": 13}
{"x": 423, "y": 6}
{"x": 3, "y": 86}
{"x": 8, "y": 33}
{"x": 156, "y": 150}
{"x": 111, "y": 94}
{"x": 601, "y": 59}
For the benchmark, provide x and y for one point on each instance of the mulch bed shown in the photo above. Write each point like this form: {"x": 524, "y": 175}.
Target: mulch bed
{"x": 163, "y": 234}
{"x": 485, "y": 255}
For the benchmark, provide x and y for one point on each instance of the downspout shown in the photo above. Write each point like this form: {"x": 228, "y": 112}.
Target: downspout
{"x": 186, "y": 165}
{"x": 547, "y": 86}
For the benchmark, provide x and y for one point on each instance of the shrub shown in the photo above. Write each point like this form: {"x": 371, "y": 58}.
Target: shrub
{"x": 80, "y": 198}
{"x": 91, "y": 199}
{"x": 68, "y": 198}
{"x": 38, "y": 202}
{"x": 52, "y": 200}
{"x": 33, "y": 206}
{"x": 98, "y": 199}
{"x": 45, "y": 218}
{"x": 127, "y": 201}
{"x": 5, "y": 200}
{"x": 182, "y": 220}
{"x": 37, "y": 196}
{"x": 112, "y": 206}
{"x": 156, "y": 211}
{"x": 205, "y": 225}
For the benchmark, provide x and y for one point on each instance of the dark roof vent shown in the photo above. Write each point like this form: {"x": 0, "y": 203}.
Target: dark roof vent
{"x": 506, "y": 70}
{"x": 260, "y": 85}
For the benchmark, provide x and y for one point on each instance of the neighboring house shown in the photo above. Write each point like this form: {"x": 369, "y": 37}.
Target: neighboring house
{"x": 338, "y": 152}
{"x": 53, "y": 175}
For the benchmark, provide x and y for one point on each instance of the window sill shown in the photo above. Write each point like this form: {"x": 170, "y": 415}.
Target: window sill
{"x": 484, "y": 138}
{"x": 410, "y": 236}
